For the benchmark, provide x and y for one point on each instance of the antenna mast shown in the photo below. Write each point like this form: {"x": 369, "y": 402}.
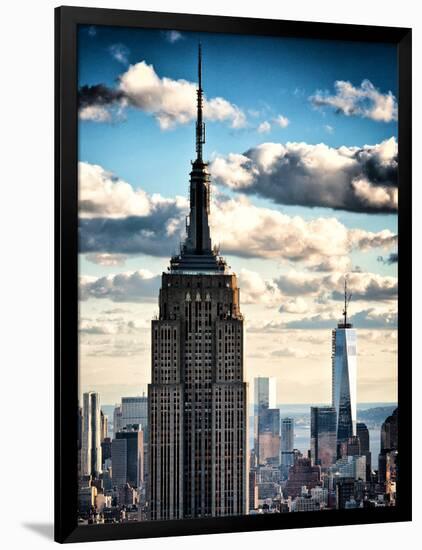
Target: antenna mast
{"x": 347, "y": 298}
{"x": 200, "y": 126}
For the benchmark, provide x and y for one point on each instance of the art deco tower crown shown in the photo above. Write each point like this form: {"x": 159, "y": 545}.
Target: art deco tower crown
{"x": 197, "y": 254}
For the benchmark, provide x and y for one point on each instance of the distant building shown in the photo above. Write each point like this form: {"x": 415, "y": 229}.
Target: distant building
{"x": 79, "y": 443}
{"x": 303, "y": 473}
{"x": 264, "y": 421}
{"x": 323, "y": 436}
{"x": 117, "y": 419}
{"x": 91, "y": 435}
{"x": 306, "y": 504}
{"x": 86, "y": 499}
{"x": 269, "y": 436}
{"x": 105, "y": 477}
{"x": 320, "y": 495}
{"x": 104, "y": 426}
{"x": 345, "y": 490}
{"x": 135, "y": 411}
{"x": 287, "y": 434}
{"x": 344, "y": 365}
{"x": 363, "y": 433}
{"x": 127, "y": 495}
{"x": 119, "y": 462}
{"x": 287, "y": 454}
{"x": 105, "y": 451}
{"x": 351, "y": 447}
{"x": 351, "y": 467}
{"x": 389, "y": 432}
{"x": 265, "y": 390}
{"x": 253, "y": 490}
{"x": 389, "y": 445}
{"x": 391, "y": 473}
{"x": 127, "y": 457}
{"x": 268, "y": 478}
{"x": 102, "y": 501}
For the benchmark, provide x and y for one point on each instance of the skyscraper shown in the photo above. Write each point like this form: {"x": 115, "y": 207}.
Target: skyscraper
{"x": 301, "y": 474}
{"x": 323, "y": 436}
{"x": 104, "y": 426}
{"x": 127, "y": 457}
{"x": 265, "y": 417}
{"x": 269, "y": 436}
{"x": 135, "y": 411}
{"x": 117, "y": 419}
{"x": 287, "y": 436}
{"x": 264, "y": 392}
{"x": 91, "y": 434}
{"x": 389, "y": 432}
{"x": 344, "y": 366}
{"x": 197, "y": 402}
{"x": 363, "y": 434}
{"x": 389, "y": 444}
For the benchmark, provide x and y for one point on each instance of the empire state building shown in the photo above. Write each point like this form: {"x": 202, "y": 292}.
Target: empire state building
{"x": 198, "y": 398}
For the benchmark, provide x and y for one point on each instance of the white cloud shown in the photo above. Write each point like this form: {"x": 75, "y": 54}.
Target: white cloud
{"x": 120, "y": 53}
{"x": 264, "y": 127}
{"x": 173, "y": 101}
{"x": 136, "y": 286}
{"x": 281, "y": 121}
{"x": 362, "y": 179}
{"x": 117, "y": 219}
{"x": 364, "y": 101}
{"x": 101, "y": 194}
{"x": 291, "y": 352}
{"x": 173, "y": 36}
{"x": 105, "y": 259}
{"x": 95, "y": 113}
{"x": 362, "y": 285}
{"x": 255, "y": 290}
{"x": 294, "y": 305}
{"x": 247, "y": 230}
{"x": 376, "y": 197}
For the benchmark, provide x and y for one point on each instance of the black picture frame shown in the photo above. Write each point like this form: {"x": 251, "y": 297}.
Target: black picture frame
{"x": 66, "y": 272}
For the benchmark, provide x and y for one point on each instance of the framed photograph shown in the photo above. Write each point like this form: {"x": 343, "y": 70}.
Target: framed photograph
{"x": 233, "y": 274}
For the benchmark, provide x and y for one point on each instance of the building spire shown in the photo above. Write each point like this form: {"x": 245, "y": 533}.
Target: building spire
{"x": 347, "y": 298}
{"x": 197, "y": 254}
{"x": 200, "y": 126}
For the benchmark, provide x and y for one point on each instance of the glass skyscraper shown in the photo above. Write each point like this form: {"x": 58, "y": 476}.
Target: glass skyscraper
{"x": 323, "y": 436}
{"x": 135, "y": 411}
{"x": 344, "y": 363}
{"x": 91, "y": 434}
{"x": 264, "y": 392}
{"x": 287, "y": 436}
{"x": 266, "y": 420}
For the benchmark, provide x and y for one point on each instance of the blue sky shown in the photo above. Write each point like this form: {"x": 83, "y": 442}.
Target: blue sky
{"x": 263, "y": 78}
{"x": 273, "y": 75}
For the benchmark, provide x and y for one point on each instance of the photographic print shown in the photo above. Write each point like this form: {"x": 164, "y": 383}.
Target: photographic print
{"x": 237, "y": 205}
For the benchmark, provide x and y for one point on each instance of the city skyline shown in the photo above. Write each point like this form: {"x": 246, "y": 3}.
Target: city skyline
{"x": 290, "y": 280}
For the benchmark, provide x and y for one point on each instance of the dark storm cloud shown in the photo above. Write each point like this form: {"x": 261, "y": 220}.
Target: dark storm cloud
{"x": 130, "y": 235}
{"x": 357, "y": 179}
{"x": 374, "y": 291}
{"x": 98, "y": 95}
{"x": 123, "y": 287}
{"x": 392, "y": 258}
